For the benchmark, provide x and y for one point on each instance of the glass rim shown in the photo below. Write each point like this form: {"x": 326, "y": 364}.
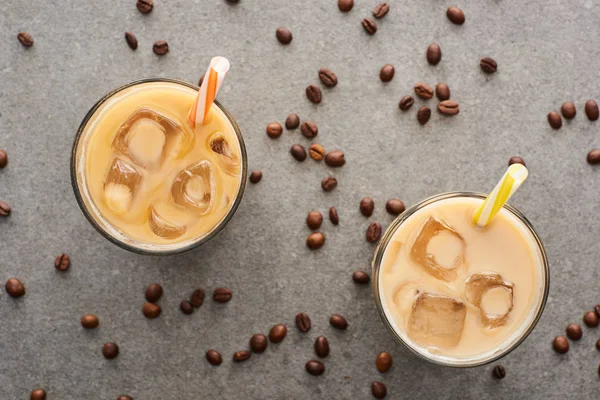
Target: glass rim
{"x": 130, "y": 247}
{"x": 376, "y": 266}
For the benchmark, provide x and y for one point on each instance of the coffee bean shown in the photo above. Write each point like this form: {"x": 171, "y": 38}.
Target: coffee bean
{"x": 335, "y": 158}
{"x": 62, "y": 262}
{"x": 145, "y": 6}
{"x": 240, "y": 356}
{"x": 395, "y": 206}
{"x": 345, "y": 5}
{"x": 283, "y": 35}
{"x": 406, "y": 102}
{"x": 338, "y": 322}
{"x": 277, "y": 333}
{"x": 315, "y": 368}
{"x": 378, "y": 389}
{"x": 255, "y": 176}
{"x": 222, "y": 295}
{"x": 499, "y": 372}
{"x": 328, "y": 77}
{"x": 38, "y": 394}
{"x": 434, "y": 54}
{"x": 367, "y": 205}
{"x": 4, "y": 209}
{"x": 591, "y": 110}
{"x": 160, "y": 47}
{"x": 593, "y": 158}
{"x": 381, "y": 10}
{"x": 303, "y": 322}
{"x": 360, "y": 277}
{"x": 151, "y": 310}
{"x": 448, "y": 107}
{"x": 387, "y": 73}
{"x": 369, "y": 26}
{"x": 14, "y": 287}
{"x": 110, "y": 350}
{"x": 89, "y": 321}
{"x": 383, "y": 361}
{"x": 314, "y": 219}
{"x": 274, "y": 130}
{"x": 197, "y": 298}
{"x": 574, "y": 332}
{"x": 329, "y": 183}
{"x": 455, "y": 15}
{"x": 598, "y": 344}
{"x": 131, "y": 40}
{"x": 25, "y": 39}
{"x": 488, "y": 65}
{"x": 315, "y": 240}
{"x": 597, "y": 309}
{"x": 313, "y": 93}
{"x": 153, "y": 292}
{"x": 568, "y": 110}
{"x": 560, "y": 344}
{"x": 292, "y": 121}
{"x": 316, "y": 151}
{"x": 373, "y": 232}
{"x": 258, "y": 343}
{"x": 186, "y": 307}
{"x": 423, "y": 115}
{"x": 442, "y": 91}
{"x": 423, "y": 90}
{"x": 298, "y": 152}
{"x": 322, "y": 346}
{"x": 214, "y": 357}
{"x": 333, "y": 216}
{"x": 124, "y": 397}
{"x": 554, "y": 120}
{"x": 590, "y": 319}
{"x": 309, "y": 129}
{"x": 3, "y": 159}
{"x": 516, "y": 160}
{"x": 201, "y": 80}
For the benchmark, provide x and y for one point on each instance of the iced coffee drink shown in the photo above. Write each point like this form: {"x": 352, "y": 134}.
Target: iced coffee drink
{"x": 150, "y": 180}
{"x": 456, "y": 293}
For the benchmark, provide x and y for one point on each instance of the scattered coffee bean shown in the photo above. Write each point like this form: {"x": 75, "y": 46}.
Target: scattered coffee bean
{"x": 367, "y": 205}
{"x": 423, "y": 90}
{"x": 434, "y": 54}
{"x": 315, "y": 240}
{"x": 381, "y": 10}
{"x": 373, "y": 232}
{"x": 574, "y": 332}
{"x": 329, "y": 183}
{"x": 255, "y": 176}
{"x": 488, "y": 65}
{"x": 240, "y": 356}
{"x": 3, "y": 159}
{"x": 62, "y": 262}
{"x": 222, "y": 295}
{"x": 338, "y": 322}
{"x": 314, "y": 219}
{"x": 151, "y": 310}
{"x": 277, "y": 333}
{"x": 153, "y": 292}
{"x": 186, "y": 307}
{"x": 131, "y": 40}
{"x": 591, "y": 110}
{"x": 298, "y": 152}
{"x": 360, "y": 277}
{"x": 197, "y": 298}
{"x": 448, "y": 107}
{"x": 316, "y": 151}
{"x": 516, "y": 160}
{"x": 313, "y": 93}
{"x": 593, "y": 158}
{"x": 499, "y": 372}
{"x": 598, "y": 344}
{"x": 284, "y": 35}
{"x": 395, "y": 206}
{"x": 315, "y": 368}
{"x": 25, "y": 39}
{"x": 160, "y": 47}
{"x": 387, "y": 73}
{"x": 274, "y": 130}
{"x": 4, "y": 209}
{"x": 383, "y": 361}
{"x": 560, "y": 344}
{"x": 597, "y": 309}
{"x": 378, "y": 389}
{"x": 455, "y": 15}
{"x": 14, "y": 287}
{"x": 309, "y": 129}
{"x": 442, "y": 91}
{"x": 554, "y": 120}
{"x": 214, "y": 357}
{"x": 333, "y": 216}
{"x": 145, "y": 6}
{"x": 110, "y": 350}
{"x": 258, "y": 343}
{"x": 201, "y": 80}
{"x": 369, "y": 26}
{"x": 328, "y": 77}
{"x": 292, "y": 121}
{"x": 590, "y": 319}
{"x": 423, "y": 115}
{"x": 38, "y": 394}
{"x": 345, "y": 5}
{"x": 335, "y": 158}
{"x": 124, "y": 397}
{"x": 568, "y": 110}
{"x": 303, "y": 322}
{"x": 406, "y": 102}
{"x": 89, "y": 321}
{"x": 322, "y": 346}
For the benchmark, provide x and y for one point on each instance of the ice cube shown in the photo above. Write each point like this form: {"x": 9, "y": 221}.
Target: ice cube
{"x": 405, "y": 295}
{"x": 163, "y": 228}
{"x": 492, "y": 295}
{"x": 194, "y": 188}
{"x": 123, "y": 173}
{"x": 146, "y": 141}
{"x": 118, "y": 197}
{"x": 439, "y": 249}
{"x": 436, "y": 320}
{"x": 228, "y": 160}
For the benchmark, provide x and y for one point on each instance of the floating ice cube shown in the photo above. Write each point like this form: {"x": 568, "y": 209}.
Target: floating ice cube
{"x": 405, "y": 295}
{"x": 492, "y": 295}
{"x": 439, "y": 249}
{"x": 118, "y": 197}
{"x": 163, "y": 228}
{"x": 228, "y": 160}
{"x": 436, "y": 320}
{"x": 123, "y": 173}
{"x": 194, "y": 188}
{"x": 146, "y": 141}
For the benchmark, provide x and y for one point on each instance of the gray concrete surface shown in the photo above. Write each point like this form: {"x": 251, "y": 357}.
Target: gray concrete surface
{"x": 547, "y": 53}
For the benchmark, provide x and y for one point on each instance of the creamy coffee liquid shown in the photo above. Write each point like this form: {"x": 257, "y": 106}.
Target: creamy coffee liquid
{"x": 153, "y": 176}
{"x": 453, "y": 290}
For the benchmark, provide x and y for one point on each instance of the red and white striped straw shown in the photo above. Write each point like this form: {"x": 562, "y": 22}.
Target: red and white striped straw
{"x": 208, "y": 90}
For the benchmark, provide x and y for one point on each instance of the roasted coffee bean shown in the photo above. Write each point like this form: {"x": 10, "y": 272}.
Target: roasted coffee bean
{"x": 448, "y": 107}
{"x": 313, "y": 93}
{"x": 298, "y": 152}
{"x": 442, "y": 91}
{"x": 315, "y": 240}
{"x": 516, "y": 160}
{"x": 423, "y": 115}
{"x": 593, "y": 158}
{"x": 240, "y": 356}
{"x": 328, "y": 77}
{"x": 367, "y": 205}
{"x": 338, "y": 322}
{"x": 186, "y": 307}
{"x": 597, "y": 309}
{"x": 314, "y": 219}
{"x": 316, "y": 151}
{"x": 277, "y": 333}
{"x": 110, "y": 350}
{"x": 315, "y": 368}
{"x": 160, "y": 47}
{"x": 387, "y": 73}
{"x": 591, "y": 110}
{"x": 214, "y": 357}
{"x": 4, "y": 209}
{"x": 378, "y": 389}
{"x": 38, "y": 394}
{"x": 488, "y": 65}
{"x": 554, "y": 120}
{"x": 25, "y": 39}
{"x": 62, "y": 262}
{"x": 255, "y": 176}
{"x": 560, "y": 344}
{"x": 381, "y": 10}
{"x": 258, "y": 343}
{"x": 222, "y": 295}
{"x": 89, "y": 321}
{"x": 499, "y": 372}
{"x": 303, "y": 322}
{"x": 322, "y": 346}
{"x": 145, "y": 6}
{"x": 3, "y": 159}
{"x": 124, "y": 397}
{"x": 197, "y": 297}
{"x": 14, "y": 287}
{"x": 284, "y": 35}
{"x": 373, "y": 232}
{"x": 423, "y": 90}
{"x": 309, "y": 129}
{"x": 574, "y": 331}
{"x": 131, "y": 40}
{"x": 151, "y": 310}
{"x": 360, "y": 277}
{"x": 333, "y": 216}
{"x": 292, "y": 121}
{"x": 434, "y": 54}
{"x": 274, "y": 130}
{"x": 383, "y": 362}
{"x": 455, "y": 15}
{"x": 329, "y": 183}
{"x": 406, "y": 102}
{"x": 590, "y": 319}
{"x": 201, "y": 80}
{"x": 153, "y": 292}
{"x": 568, "y": 110}
{"x": 395, "y": 206}
{"x": 369, "y": 26}
{"x": 335, "y": 158}
{"x": 345, "y": 5}
{"x": 598, "y": 344}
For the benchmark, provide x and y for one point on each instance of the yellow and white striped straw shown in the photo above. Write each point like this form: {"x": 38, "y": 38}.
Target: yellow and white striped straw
{"x": 514, "y": 176}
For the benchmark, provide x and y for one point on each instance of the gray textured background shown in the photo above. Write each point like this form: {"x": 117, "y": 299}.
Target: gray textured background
{"x": 547, "y": 53}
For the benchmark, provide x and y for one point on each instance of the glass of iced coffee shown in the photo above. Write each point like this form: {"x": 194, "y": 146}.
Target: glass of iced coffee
{"x": 455, "y": 293}
{"x": 149, "y": 180}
